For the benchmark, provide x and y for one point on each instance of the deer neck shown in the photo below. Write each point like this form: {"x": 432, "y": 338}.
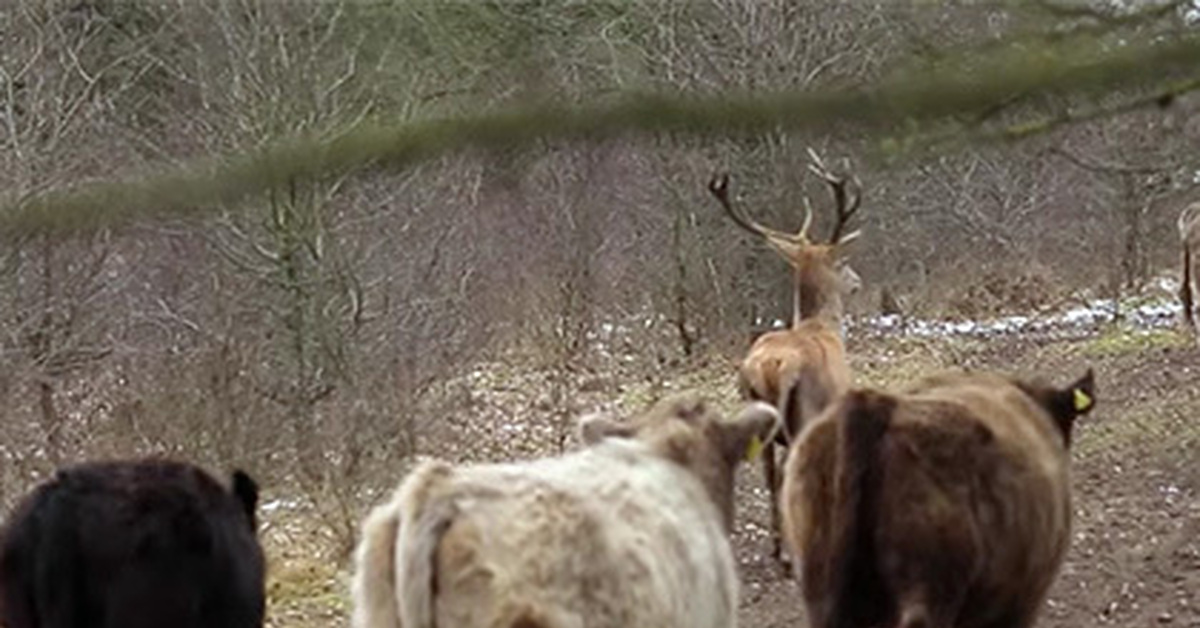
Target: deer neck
{"x": 816, "y": 296}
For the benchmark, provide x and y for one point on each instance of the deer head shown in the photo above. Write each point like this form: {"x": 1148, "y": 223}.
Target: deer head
{"x": 822, "y": 276}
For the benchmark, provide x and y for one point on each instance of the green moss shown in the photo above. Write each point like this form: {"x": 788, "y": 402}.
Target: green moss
{"x": 1122, "y": 340}
{"x": 973, "y": 83}
{"x": 1163, "y": 423}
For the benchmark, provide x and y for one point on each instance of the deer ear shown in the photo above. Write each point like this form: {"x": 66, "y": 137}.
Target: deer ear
{"x": 594, "y": 428}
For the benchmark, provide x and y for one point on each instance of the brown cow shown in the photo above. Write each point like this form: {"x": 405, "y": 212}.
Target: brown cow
{"x": 802, "y": 369}
{"x": 944, "y": 506}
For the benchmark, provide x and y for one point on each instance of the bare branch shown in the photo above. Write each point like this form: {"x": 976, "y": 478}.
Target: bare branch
{"x": 1085, "y": 67}
{"x": 1095, "y": 165}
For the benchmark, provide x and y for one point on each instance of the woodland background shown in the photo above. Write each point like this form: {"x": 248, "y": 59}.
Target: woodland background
{"x": 321, "y": 333}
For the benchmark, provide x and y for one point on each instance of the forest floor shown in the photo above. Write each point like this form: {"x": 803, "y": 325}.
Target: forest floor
{"x": 1134, "y": 559}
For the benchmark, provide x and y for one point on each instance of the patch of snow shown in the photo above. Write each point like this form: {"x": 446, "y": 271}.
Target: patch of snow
{"x": 280, "y": 504}
{"x": 1080, "y": 319}
{"x": 888, "y": 321}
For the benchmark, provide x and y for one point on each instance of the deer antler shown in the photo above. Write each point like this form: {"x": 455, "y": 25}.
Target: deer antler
{"x": 844, "y": 204}
{"x": 719, "y": 186}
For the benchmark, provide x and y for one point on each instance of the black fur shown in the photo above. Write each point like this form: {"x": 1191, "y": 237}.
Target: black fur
{"x": 246, "y": 491}
{"x": 133, "y": 544}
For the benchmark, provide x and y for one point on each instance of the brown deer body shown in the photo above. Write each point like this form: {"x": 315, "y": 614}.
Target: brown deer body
{"x": 944, "y": 506}
{"x": 802, "y": 369}
{"x": 1189, "y": 238}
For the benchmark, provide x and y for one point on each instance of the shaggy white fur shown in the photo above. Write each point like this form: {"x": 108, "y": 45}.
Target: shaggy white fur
{"x": 626, "y": 533}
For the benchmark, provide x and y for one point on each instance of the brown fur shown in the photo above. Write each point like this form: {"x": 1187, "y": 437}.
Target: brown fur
{"x": 1189, "y": 238}
{"x": 944, "y": 506}
{"x": 801, "y": 369}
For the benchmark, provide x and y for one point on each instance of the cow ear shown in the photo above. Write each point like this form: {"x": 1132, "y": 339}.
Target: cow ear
{"x": 596, "y": 427}
{"x": 1072, "y": 402}
{"x": 1083, "y": 393}
{"x": 246, "y": 490}
{"x": 744, "y": 437}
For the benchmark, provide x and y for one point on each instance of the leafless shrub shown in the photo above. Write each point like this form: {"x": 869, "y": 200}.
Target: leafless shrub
{"x": 321, "y": 335}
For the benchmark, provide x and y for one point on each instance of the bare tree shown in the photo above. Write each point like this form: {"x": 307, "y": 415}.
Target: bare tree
{"x": 63, "y": 70}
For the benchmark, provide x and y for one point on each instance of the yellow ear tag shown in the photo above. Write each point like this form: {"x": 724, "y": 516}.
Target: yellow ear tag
{"x": 1083, "y": 401}
{"x": 754, "y": 448}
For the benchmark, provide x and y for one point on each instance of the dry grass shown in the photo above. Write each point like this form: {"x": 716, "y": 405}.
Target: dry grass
{"x": 1120, "y": 340}
{"x": 303, "y": 592}
{"x": 1142, "y": 409}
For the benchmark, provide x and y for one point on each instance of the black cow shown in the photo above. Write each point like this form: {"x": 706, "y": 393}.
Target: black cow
{"x": 133, "y": 544}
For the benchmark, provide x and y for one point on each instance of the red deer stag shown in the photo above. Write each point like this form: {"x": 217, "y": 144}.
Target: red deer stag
{"x": 802, "y": 369}
{"x": 1189, "y": 237}
{"x": 944, "y": 506}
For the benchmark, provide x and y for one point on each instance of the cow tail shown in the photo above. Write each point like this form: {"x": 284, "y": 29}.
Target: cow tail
{"x": 1185, "y": 288}
{"x": 854, "y": 575}
{"x": 395, "y": 562}
{"x": 418, "y": 563}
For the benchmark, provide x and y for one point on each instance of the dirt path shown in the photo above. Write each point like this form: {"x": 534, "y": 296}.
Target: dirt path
{"x": 1134, "y": 561}
{"x": 1135, "y": 555}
